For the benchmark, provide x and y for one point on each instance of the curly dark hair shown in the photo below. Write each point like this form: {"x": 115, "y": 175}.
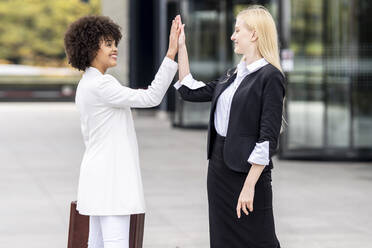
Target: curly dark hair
{"x": 84, "y": 36}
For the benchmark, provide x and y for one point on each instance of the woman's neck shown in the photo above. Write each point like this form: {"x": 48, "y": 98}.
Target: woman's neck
{"x": 101, "y": 68}
{"x": 251, "y": 57}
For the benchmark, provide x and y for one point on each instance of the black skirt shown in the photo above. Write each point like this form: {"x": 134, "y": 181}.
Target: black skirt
{"x": 256, "y": 230}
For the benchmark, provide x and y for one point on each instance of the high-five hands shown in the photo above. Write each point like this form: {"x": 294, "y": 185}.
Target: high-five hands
{"x": 174, "y": 37}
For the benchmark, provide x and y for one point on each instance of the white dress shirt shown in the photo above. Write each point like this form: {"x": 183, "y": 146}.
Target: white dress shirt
{"x": 110, "y": 177}
{"x": 260, "y": 154}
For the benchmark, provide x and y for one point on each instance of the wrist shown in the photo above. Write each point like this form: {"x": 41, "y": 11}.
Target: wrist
{"x": 181, "y": 46}
{"x": 249, "y": 183}
{"x": 171, "y": 55}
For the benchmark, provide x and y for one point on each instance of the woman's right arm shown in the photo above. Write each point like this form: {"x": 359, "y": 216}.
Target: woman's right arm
{"x": 114, "y": 94}
{"x": 189, "y": 88}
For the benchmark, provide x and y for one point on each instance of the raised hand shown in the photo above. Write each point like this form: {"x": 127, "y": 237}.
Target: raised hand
{"x": 182, "y": 37}
{"x": 173, "y": 38}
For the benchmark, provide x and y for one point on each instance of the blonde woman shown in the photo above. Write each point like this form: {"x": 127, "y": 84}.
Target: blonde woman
{"x": 244, "y": 128}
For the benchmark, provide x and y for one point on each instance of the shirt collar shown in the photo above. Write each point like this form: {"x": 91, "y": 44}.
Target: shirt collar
{"x": 93, "y": 71}
{"x": 242, "y": 69}
{"x": 256, "y": 65}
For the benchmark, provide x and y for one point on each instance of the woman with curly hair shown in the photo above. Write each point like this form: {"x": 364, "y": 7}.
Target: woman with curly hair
{"x": 244, "y": 128}
{"x": 110, "y": 186}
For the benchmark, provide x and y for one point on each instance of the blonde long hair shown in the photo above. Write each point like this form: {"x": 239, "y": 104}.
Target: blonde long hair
{"x": 259, "y": 19}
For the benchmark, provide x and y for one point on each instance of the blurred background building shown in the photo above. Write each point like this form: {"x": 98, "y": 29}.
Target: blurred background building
{"x": 325, "y": 50}
{"x": 325, "y": 46}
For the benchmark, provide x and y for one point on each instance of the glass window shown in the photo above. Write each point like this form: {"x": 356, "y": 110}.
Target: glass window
{"x": 305, "y": 93}
{"x": 330, "y": 85}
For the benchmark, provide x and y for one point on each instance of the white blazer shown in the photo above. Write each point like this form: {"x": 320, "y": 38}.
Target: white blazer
{"x": 110, "y": 178}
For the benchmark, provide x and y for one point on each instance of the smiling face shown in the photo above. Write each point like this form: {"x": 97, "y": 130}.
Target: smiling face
{"x": 107, "y": 55}
{"x": 243, "y": 37}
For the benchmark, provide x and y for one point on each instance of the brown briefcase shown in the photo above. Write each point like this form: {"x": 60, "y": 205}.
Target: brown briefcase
{"x": 79, "y": 229}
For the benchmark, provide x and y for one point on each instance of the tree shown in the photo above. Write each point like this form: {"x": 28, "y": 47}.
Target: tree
{"x": 31, "y": 31}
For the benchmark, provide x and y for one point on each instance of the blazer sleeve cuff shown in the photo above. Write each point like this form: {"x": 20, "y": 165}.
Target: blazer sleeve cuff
{"x": 177, "y": 85}
{"x": 189, "y": 82}
{"x": 260, "y": 154}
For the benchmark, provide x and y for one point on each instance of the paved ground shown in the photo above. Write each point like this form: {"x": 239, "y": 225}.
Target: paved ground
{"x": 325, "y": 205}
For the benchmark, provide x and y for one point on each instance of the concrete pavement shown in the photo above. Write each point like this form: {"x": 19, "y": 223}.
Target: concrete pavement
{"x": 316, "y": 204}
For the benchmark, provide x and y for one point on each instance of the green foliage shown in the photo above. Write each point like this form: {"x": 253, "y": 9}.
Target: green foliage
{"x": 32, "y": 31}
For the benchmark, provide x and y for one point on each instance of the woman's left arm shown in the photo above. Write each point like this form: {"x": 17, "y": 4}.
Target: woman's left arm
{"x": 271, "y": 120}
{"x": 247, "y": 194}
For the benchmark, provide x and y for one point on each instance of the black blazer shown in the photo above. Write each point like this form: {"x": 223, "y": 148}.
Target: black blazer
{"x": 255, "y": 115}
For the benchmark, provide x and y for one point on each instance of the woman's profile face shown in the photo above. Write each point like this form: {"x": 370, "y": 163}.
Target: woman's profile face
{"x": 107, "y": 54}
{"x": 242, "y": 37}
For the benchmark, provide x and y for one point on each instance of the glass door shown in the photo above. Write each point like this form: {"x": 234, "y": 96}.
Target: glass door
{"x": 362, "y": 84}
{"x": 339, "y": 58}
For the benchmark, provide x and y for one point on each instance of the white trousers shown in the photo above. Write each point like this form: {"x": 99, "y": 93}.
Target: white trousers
{"x": 109, "y": 231}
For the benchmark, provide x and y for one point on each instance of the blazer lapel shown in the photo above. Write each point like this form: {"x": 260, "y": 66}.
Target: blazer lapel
{"x": 221, "y": 87}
